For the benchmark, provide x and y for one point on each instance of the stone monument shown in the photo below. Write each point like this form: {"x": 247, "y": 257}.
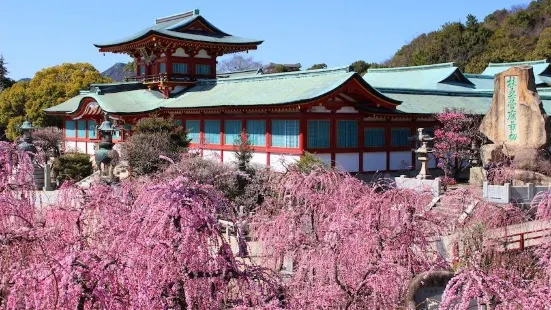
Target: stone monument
{"x": 516, "y": 122}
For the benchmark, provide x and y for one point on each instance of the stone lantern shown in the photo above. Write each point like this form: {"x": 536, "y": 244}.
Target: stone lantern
{"x": 105, "y": 154}
{"x": 27, "y": 143}
{"x": 422, "y": 152}
{"x": 28, "y": 146}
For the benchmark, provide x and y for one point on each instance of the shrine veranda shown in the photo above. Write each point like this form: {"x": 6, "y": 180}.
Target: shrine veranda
{"x": 353, "y": 122}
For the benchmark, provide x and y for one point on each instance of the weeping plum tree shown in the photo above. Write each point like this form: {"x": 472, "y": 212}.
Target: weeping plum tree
{"x": 453, "y": 142}
{"x": 140, "y": 245}
{"x": 353, "y": 246}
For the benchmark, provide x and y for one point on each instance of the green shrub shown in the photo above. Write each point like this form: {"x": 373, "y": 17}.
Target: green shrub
{"x": 72, "y": 166}
{"x": 156, "y": 124}
{"x": 156, "y": 141}
{"x": 308, "y": 162}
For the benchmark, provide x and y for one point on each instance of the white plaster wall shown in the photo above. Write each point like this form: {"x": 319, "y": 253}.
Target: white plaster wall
{"x": 431, "y": 162}
{"x": 70, "y": 145}
{"x": 279, "y": 162}
{"x": 81, "y": 147}
{"x": 229, "y": 157}
{"x": 259, "y": 158}
{"x": 202, "y": 54}
{"x": 180, "y": 53}
{"x": 348, "y": 162}
{"x": 91, "y": 150}
{"x": 326, "y": 158}
{"x": 212, "y": 154}
{"x": 400, "y": 160}
{"x": 375, "y": 161}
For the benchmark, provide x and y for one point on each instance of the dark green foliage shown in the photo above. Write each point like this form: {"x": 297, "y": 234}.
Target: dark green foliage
{"x": 518, "y": 34}
{"x": 155, "y": 142}
{"x": 309, "y": 162}
{"x": 243, "y": 155}
{"x": 72, "y": 166}
{"x": 317, "y": 66}
{"x": 361, "y": 66}
{"x": 5, "y": 81}
{"x": 243, "y": 151}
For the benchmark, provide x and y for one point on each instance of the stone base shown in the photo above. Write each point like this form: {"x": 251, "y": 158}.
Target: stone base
{"x": 521, "y": 158}
{"x": 477, "y": 176}
{"x": 522, "y": 177}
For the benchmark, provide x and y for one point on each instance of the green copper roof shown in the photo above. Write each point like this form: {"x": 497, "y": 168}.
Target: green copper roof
{"x": 171, "y": 27}
{"x": 542, "y": 72}
{"x": 444, "y": 76}
{"x": 269, "y": 89}
{"x": 430, "y": 102}
{"x": 481, "y": 81}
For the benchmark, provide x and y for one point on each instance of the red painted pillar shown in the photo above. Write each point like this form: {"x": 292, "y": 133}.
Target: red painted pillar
{"x": 333, "y": 139}
{"x": 302, "y": 134}
{"x": 202, "y": 141}
{"x": 222, "y": 139}
{"x": 361, "y": 134}
{"x": 388, "y": 145}
{"x": 268, "y": 139}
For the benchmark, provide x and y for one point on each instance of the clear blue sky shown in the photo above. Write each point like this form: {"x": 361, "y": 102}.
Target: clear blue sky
{"x": 43, "y": 33}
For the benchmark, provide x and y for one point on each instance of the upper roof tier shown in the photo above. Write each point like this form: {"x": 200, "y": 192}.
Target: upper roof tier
{"x": 185, "y": 29}
{"x": 445, "y": 76}
{"x": 542, "y": 70}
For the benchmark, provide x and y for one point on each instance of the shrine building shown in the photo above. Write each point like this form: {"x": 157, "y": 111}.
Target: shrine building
{"x": 358, "y": 124}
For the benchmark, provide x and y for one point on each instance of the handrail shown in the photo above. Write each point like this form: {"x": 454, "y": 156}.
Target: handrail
{"x": 163, "y": 77}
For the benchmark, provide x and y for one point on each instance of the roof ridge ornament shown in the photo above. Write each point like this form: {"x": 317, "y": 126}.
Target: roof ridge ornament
{"x": 177, "y": 16}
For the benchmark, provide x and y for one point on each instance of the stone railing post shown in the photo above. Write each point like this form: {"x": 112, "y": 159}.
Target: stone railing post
{"x": 531, "y": 191}
{"x": 507, "y": 192}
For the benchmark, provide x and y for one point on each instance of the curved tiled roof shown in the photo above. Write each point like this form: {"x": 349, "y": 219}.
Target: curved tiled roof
{"x": 444, "y": 76}
{"x": 247, "y": 91}
{"x": 170, "y": 29}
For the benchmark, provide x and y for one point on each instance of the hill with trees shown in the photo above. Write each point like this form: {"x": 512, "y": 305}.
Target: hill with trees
{"x": 518, "y": 34}
{"x": 49, "y": 87}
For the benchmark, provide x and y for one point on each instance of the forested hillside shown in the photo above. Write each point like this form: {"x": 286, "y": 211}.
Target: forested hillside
{"x": 518, "y": 34}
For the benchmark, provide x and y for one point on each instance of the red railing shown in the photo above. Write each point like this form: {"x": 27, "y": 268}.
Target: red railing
{"x": 164, "y": 77}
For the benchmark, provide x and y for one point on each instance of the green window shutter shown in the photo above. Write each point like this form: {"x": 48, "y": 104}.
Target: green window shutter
{"x": 256, "y": 130}
{"x": 192, "y": 128}
{"x": 202, "y": 69}
{"x": 70, "y": 129}
{"x": 212, "y": 132}
{"x": 318, "y": 134}
{"x": 285, "y": 133}
{"x": 91, "y": 129}
{"x": 374, "y": 137}
{"x": 232, "y": 132}
{"x": 142, "y": 69}
{"x": 162, "y": 67}
{"x": 81, "y": 128}
{"x": 347, "y": 134}
{"x": 179, "y": 68}
{"x": 399, "y": 137}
